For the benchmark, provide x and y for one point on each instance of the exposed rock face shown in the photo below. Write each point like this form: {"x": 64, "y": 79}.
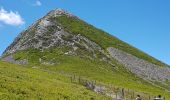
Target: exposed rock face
{"x": 46, "y": 33}
{"x": 140, "y": 67}
{"x": 37, "y": 35}
{"x": 12, "y": 60}
{"x": 59, "y": 12}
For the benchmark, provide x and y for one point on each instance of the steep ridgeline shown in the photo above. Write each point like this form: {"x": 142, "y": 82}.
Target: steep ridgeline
{"x": 48, "y": 32}
{"x": 60, "y": 29}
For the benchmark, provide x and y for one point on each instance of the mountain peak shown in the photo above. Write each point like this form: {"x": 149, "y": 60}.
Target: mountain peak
{"x": 78, "y": 38}
{"x": 59, "y": 12}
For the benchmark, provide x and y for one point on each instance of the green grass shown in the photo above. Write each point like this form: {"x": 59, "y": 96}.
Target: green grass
{"x": 25, "y": 83}
{"x": 102, "y": 72}
{"x": 105, "y": 40}
{"x": 47, "y": 82}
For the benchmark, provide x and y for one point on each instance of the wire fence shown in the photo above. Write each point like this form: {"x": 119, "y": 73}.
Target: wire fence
{"x": 114, "y": 92}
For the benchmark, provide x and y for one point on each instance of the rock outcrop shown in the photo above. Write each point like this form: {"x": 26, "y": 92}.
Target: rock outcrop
{"x": 46, "y": 33}
{"x": 12, "y": 60}
{"x": 140, "y": 67}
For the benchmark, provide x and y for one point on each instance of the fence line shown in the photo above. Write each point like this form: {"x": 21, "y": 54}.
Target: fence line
{"x": 117, "y": 93}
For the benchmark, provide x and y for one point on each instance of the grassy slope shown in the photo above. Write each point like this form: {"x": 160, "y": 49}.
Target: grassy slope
{"x": 76, "y": 26}
{"x": 25, "y": 83}
{"x": 93, "y": 70}
{"x": 19, "y": 82}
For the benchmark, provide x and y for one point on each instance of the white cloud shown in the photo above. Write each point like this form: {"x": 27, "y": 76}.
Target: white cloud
{"x": 37, "y": 3}
{"x": 11, "y": 18}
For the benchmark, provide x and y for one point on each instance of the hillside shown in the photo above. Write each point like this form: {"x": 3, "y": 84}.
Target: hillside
{"x": 24, "y": 83}
{"x": 61, "y": 45}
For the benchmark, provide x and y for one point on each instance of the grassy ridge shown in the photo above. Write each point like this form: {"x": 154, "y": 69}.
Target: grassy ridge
{"x": 91, "y": 69}
{"x": 77, "y": 26}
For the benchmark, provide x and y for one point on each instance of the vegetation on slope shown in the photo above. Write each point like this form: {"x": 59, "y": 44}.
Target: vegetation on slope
{"x": 27, "y": 83}
{"x": 77, "y": 26}
{"x": 91, "y": 69}
{"x": 46, "y": 75}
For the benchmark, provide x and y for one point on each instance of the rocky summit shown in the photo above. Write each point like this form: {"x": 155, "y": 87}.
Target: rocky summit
{"x": 48, "y": 32}
{"x": 61, "y": 42}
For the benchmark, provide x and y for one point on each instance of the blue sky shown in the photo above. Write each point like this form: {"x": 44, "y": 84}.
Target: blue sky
{"x": 144, "y": 24}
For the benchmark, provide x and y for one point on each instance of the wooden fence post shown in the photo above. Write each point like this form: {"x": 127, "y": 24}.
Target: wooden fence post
{"x": 149, "y": 98}
{"x": 71, "y": 79}
{"x": 123, "y": 93}
{"x": 131, "y": 98}
{"x": 128, "y": 91}
{"x": 79, "y": 80}
{"x": 133, "y": 94}
{"x": 116, "y": 96}
{"x": 74, "y": 77}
